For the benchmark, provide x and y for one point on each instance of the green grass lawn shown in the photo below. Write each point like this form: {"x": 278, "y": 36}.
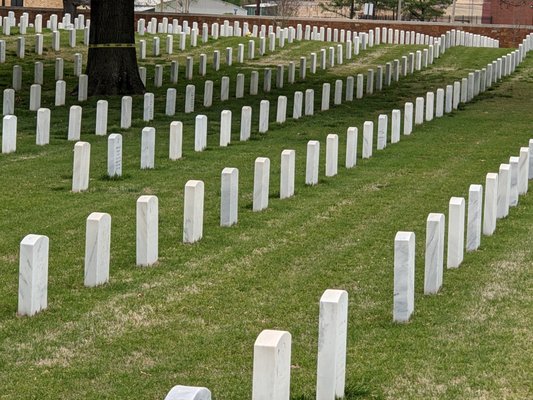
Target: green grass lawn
{"x": 194, "y": 317}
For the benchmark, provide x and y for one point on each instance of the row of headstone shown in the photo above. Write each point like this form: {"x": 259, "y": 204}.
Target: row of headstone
{"x": 477, "y": 217}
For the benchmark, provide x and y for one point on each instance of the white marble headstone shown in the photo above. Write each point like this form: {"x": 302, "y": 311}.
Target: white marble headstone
{"x": 261, "y": 183}
{"x": 229, "y": 196}
{"x": 147, "y": 239}
{"x": 97, "y": 249}
{"x": 404, "y": 276}
{"x": 33, "y": 275}
{"x": 193, "y": 211}
{"x": 456, "y": 232}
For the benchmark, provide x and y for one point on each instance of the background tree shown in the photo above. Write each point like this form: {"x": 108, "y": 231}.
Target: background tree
{"x": 70, "y": 6}
{"x": 425, "y": 10}
{"x": 112, "y": 61}
{"x": 287, "y": 9}
{"x": 344, "y": 8}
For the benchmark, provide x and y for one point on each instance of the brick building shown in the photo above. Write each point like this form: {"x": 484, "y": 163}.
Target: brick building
{"x": 34, "y": 3}
{"x": 509, "y": 12}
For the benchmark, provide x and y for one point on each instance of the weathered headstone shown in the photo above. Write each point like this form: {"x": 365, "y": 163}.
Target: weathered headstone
{"x": 81, "y": 167}
{"x": 332, "y": 154}
{"x": 42, "y": 132}
{"x": 473, "y": 231}
{"x": 101, "y": 118}
{"x": 368, "y": 139}
{"x": 404, "y": 276}
{"x": 114, "y": 155}
{"x": 148, "y": 108}
{"x": 33, "y": 275}
{"x": 148, "y": 148}
{"x": 456, "y": 232}
{"x": 200, "y": 133}
{"x": 97, "y": 249}
{"x": 261, "y": 183}
{"x": 175, "y": 140}
{"x": 74, "y": 123}
{"x": 383, "y": 121}
{"x": 434, "y": 257}
{"x": 312, "y": 162}
{"x": 229, "y": 197}
{"x": 264, "y": 111}
{"x": 504, "y": 190}
{"x": 193, "y": 211}
{"x": 147, "y": 231}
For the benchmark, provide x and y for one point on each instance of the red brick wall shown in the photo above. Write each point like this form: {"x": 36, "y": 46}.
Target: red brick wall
{"x": 509, "y": 36}
{"x": 505, "y": 14}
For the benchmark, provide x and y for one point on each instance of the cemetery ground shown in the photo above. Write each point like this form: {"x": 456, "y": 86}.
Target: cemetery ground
{"x": 193, "y": 318}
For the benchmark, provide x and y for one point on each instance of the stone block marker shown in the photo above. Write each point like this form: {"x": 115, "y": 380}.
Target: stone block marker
{"x": 332, "y": 154}
{"x": 504, "y": 190}
{"x": 351, "y": 147}
{"x": 188, "y": 393}
{"x": 419, "y": 111}
{"x": 33, "y": 275}
{"x": 148, "y": 148}
{"x": 261, "y": 183}
{"x": 81, "y": 167}
{"x": 332, "y": 333}
{"x": 490, "y": 210}
{"x": 170, "y": 105}
{"x": 404, "y": 276}
{"x": 147, "y": 235}
{"x": 114, "y": 155}
{"x": 189, "y": 98}
{"x": 473, "y": 227}
{"x": 97, "y": 249}
{"x": 456, "y": 232}
{"x": 42, "y": 132}
{"x": 430, "y": 105}
{"x": 8, "y": 102}
{"x": 312, "y": 162}
{"x": 288, "y": 166}
{"x": 208, "y": 93}
{"x": 175, "y": 140}
{"x": 309, "y": 102}
{"x": 272, "y": 366}
{"x": 193, "y": 211}
{"x": 297, "y": 105}
{"x": 9, "y": 134}
{"x": 61, "y": 92}
{"x": 434, "y": 257}
{"x": 325, "y": 97}
{"x": 229, "y": 197}
{"x": 396, "y": 117}
{"x": 408, "y": 119}
{"x": 368, "y": 139}
{"x": 35, "y": 97}
{"x": 83, "y": 83}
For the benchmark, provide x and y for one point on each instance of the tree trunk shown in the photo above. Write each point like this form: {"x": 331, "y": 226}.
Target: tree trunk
{"x": 69, "y": 8}
{"x": 112, "y": 61}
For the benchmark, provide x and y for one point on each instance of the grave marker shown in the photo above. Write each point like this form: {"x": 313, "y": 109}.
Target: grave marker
{"x": 193, "y": 211}
{"x": 404, "y": 276}
{"x": 33, "y": 275}
{"x": 147, "y": 231}
{"x": 97, "y": 249}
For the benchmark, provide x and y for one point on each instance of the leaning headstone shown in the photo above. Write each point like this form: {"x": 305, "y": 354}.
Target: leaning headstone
{"x": 42, "y": 132}
{"x": 114, "y": 155}
{"x": 148, "y": 148}
{"x": 473, "y": 228}
{"x": 504, "y": 190}
{"x": 456, "y": 232}
{"x": 332, "y": 334}
{"x": 229, "y": 197}
{"x": 404, "y": 276}
{"x": 368, "y": 139}
{"x": 434, "y": 257}
{"x": 97, "y": 249}
{"x": 272, "y": 366}
{"x": 33, "y": 275}
{"x": 193, "y": 211}
{"x": 261, "y": 183}
{"x": 81, "y": 167}
{"x": 147, "y": 231}
{"x": 490, "y": 208}
{"x": 175, "y": 140}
